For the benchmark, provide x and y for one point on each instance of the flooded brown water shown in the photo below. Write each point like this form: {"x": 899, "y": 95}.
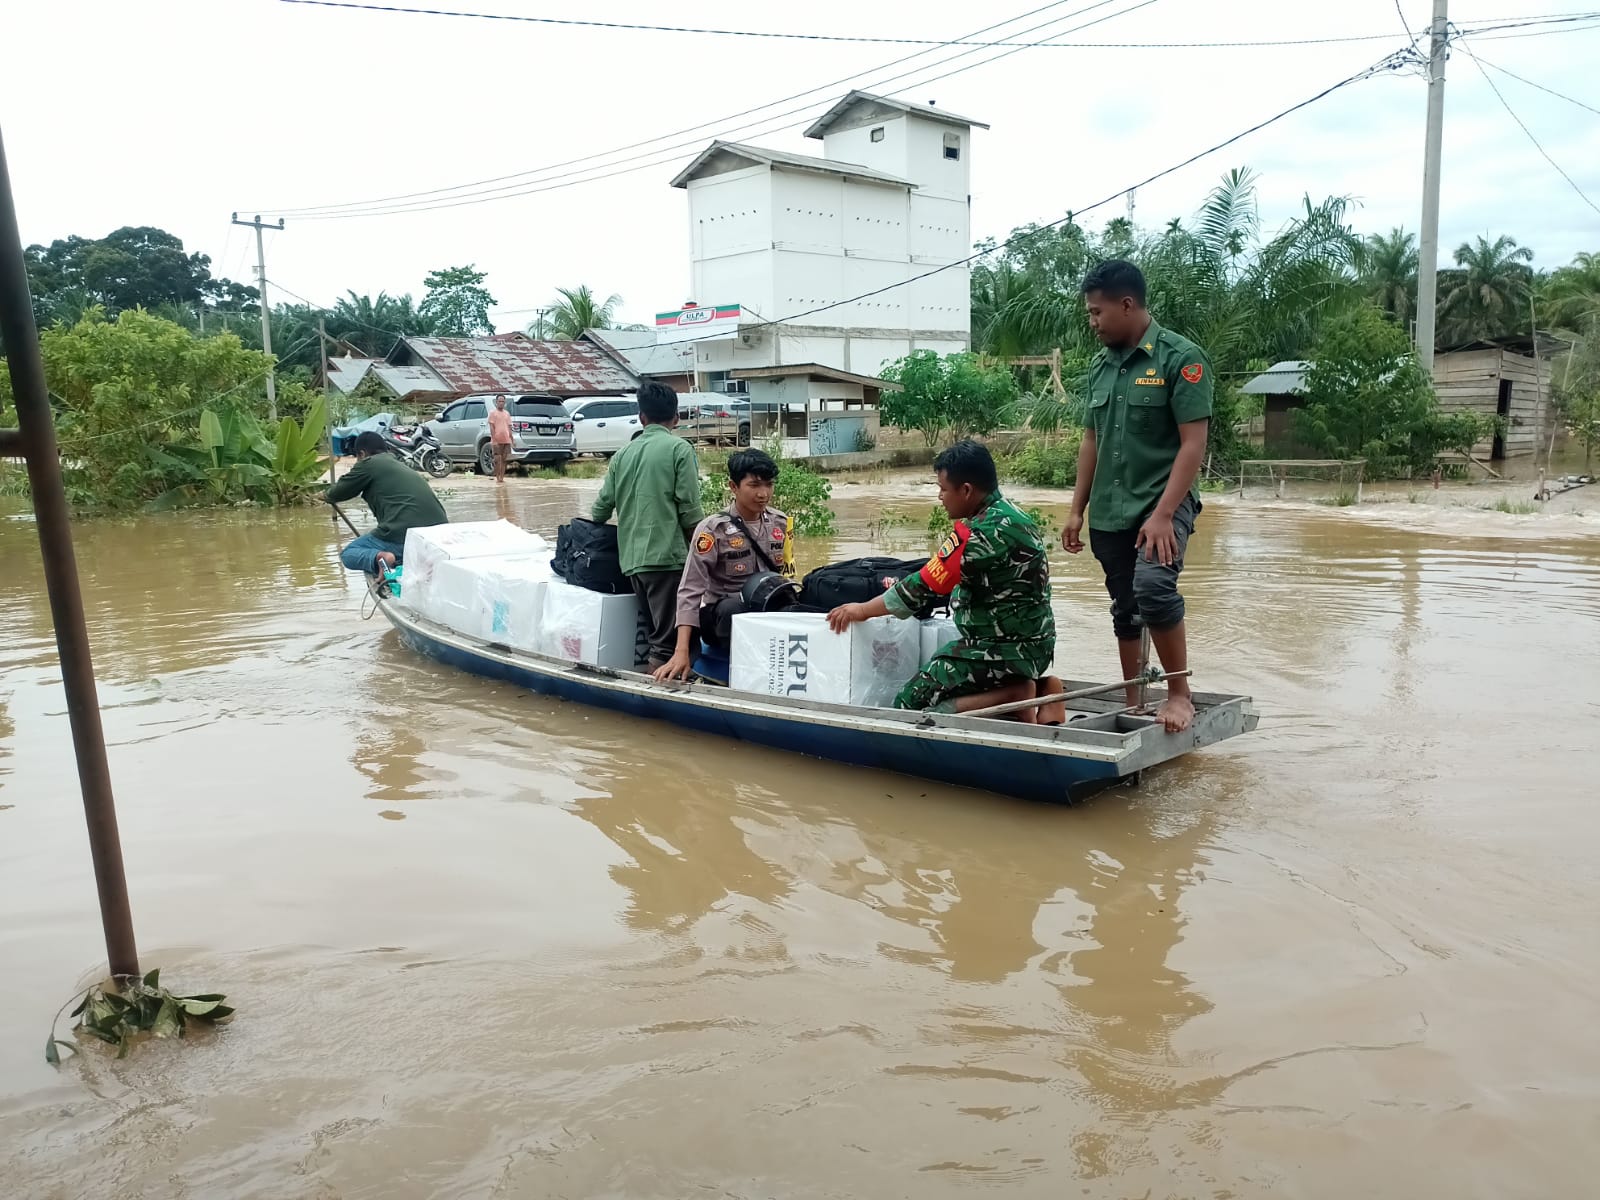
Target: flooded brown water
{"x": 486, "y": 944}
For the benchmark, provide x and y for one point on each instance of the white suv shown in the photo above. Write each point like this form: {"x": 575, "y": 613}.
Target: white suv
{"x": 603, "y": 425}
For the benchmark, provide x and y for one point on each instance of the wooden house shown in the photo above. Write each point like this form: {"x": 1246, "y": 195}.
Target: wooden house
{"x": 1506, "y": 379}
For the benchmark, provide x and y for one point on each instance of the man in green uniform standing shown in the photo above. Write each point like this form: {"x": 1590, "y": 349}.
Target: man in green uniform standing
{"x": 399, "y": 498}
{"x": 1143, "y": 442}
{"x": 653, "y": 486}
{"x": 994, "y": 570}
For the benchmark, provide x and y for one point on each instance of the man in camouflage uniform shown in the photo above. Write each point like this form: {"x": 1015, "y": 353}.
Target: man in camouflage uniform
{"x": 727, "y": 548}
{"x": 994, "y": 569}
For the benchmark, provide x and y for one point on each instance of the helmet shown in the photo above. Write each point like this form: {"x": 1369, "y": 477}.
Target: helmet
{"x": 769, "y": 592}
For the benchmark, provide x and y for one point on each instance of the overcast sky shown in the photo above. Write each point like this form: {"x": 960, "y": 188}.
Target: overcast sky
{"x": 175, "y": 113}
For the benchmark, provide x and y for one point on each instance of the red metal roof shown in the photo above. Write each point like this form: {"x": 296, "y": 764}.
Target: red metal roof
{"x": 515, "y": 362}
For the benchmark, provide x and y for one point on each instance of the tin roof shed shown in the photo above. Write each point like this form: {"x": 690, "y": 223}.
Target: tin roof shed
{"x": 515, "y": 362}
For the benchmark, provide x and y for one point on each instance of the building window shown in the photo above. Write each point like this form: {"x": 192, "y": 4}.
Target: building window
{"x": 952, "y": 146}
{"x": 877, "y": 134}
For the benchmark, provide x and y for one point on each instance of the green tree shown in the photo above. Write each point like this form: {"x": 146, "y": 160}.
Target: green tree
{"x": 1387, "y": 266}
{"x": 1486, "y": 296}
{"x": 1570, "y": 298}
{"x": 577, "y": 309}
{"x": 456, "y": 304}
{"x": 137, "y": 266}
{"x": 1577, "y": 390}
{"x": 124, "y": 386}
{"x": 1244, "y": 296}
{"x": 1368, "y": 397}
{"x": 950, "y": 397}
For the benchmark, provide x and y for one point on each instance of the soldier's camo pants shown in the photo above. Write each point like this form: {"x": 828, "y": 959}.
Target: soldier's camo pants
{"x": 963, "y": 668}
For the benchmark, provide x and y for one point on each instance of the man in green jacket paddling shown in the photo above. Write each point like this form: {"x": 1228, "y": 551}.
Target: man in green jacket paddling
{"x": 654, "y": 488}
{"x": 399, "y": 498}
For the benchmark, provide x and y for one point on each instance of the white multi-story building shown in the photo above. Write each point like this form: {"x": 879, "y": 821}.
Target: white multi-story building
{"x": 779, "y": 240}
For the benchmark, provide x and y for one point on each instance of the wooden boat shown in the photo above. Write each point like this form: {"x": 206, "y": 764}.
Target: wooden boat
{"x": 1101, "y": 745}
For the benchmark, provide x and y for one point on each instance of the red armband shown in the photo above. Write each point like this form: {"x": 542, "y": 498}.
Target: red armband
{"x": 943, "y": 571}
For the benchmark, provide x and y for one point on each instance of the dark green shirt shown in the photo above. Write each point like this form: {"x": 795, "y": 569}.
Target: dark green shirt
{"x": 1137, "y": 400}
{"x": 654, "y": 488}
{"x": 400, "y": 499}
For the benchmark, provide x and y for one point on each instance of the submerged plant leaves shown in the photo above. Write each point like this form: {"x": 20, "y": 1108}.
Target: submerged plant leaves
{"x": 118, "y": 1010}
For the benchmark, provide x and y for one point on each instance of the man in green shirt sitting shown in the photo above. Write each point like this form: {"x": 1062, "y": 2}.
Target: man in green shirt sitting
{"x": 654, "y": 488}
{"x": 399, "y": 498}
{"x": 1144, "y": 439}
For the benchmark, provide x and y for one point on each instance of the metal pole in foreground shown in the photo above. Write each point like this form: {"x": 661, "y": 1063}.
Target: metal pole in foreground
{"x": 38, "y": 439}
{"x": 1433, "y": 153}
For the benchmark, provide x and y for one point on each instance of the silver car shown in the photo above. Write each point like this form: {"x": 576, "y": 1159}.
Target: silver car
{"x": 714, "y": 419}
{"x": 541, "y": 431}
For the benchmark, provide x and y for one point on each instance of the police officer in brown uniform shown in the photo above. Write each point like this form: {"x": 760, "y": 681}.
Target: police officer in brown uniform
{"x": 728, "y": 549}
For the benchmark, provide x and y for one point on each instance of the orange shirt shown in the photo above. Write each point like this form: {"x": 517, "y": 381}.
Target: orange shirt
{"x": 499, "y": 427}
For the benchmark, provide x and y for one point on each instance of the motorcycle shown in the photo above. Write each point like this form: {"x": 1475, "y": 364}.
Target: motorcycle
{"x": 419, "y": 450}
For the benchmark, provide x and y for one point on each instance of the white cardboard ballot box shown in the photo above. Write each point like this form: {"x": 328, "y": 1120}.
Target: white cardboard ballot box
{"x": 500, "y": 600}
{"x": 431, "y": 545}
{"x": 592, "y": 627}
{"x": 937, "y": 632}
{"x": 798, "y": 656}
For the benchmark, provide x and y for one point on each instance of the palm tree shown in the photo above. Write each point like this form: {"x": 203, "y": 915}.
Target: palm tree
{"x": 1487, "y": 294}
{"x": 576, "y": 311}
{"x": 1388, "y": 271}
{"x": 1570, "y": 298}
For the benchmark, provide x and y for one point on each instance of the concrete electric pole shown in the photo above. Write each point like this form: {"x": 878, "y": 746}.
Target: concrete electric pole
{"x": 1428, "y": 245}
{"x": 266, "y": 318}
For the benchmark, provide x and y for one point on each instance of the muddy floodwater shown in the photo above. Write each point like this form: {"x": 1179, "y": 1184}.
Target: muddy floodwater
{"x": 485, "y": 944}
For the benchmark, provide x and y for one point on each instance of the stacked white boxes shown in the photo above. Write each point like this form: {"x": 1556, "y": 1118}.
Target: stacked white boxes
{"x": 798, "y": 656}
{"x": 427, "y": 547}
{"x": 493, "y": 581}
{"x": 937, "y": 633}
{"x": 499, "y": 600}
{"x": 592, "y": 627}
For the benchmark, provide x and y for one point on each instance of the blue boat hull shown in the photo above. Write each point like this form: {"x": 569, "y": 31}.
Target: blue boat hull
{"x": 1028, "y": 775}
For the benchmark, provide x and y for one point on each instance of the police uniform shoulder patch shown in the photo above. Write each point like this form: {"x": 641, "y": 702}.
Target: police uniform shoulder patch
{"x": 704, "y": 542}
{"x": 1193, "y": 373}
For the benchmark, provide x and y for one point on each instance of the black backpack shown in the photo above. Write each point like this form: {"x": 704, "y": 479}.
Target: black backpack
{"x": 856, "y": 581}
{"x": 586, "y": 557}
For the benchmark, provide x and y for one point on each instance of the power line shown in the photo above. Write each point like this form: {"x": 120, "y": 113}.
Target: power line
{"x": 1487, "y": 78}
{"x": 715, "y": 121}
{"x": 458, "y": 195}
{"x": 776, "y": 35}
{"x": 1541, "y": 87}
{"x": 673, "y": 153}
{"x": 1391, "y": 63}
{"x": 1405, "y": 24}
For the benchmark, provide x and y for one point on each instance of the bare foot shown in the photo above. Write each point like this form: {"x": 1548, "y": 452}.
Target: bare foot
{"x": 1051, "y": 714}
{"x": 1176, "y": 713}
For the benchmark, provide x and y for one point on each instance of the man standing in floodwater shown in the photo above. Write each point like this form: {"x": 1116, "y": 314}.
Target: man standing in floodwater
{"x": 1143, "y": 442}
{"x": 500, "y": 437}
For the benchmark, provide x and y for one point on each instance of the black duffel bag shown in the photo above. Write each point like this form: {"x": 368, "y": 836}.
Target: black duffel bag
{"x": 857, "y": 581}
{"x": 586, "y": 557}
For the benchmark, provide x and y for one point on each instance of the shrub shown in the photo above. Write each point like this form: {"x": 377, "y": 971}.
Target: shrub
{"x": 1045, "y": 462}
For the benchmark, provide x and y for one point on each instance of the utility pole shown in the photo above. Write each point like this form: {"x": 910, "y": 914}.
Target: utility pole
{"x": 266, "y": 319}
{"x": 1428, "y": 248}
{"x": 322, "y": 349}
